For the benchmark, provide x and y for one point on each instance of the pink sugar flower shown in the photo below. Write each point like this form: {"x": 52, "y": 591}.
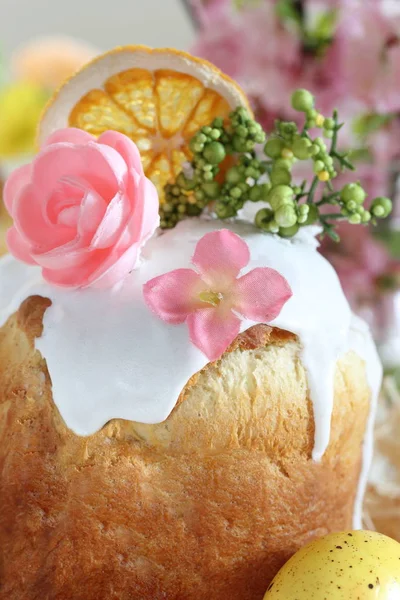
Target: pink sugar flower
{"x": 212, "y": 298}
{"x": 82, "y": 209}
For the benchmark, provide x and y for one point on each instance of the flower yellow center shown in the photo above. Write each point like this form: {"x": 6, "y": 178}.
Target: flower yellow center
{"x": 210, "y": 297}
{"x": 319, "y": 120}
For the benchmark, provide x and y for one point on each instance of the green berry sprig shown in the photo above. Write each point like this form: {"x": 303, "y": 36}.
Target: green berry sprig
{"x": 228, "y": 169}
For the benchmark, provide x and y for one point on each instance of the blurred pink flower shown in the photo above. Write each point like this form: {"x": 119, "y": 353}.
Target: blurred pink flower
{"x": 359, "y": 261}
{"x": 369, "y": 42}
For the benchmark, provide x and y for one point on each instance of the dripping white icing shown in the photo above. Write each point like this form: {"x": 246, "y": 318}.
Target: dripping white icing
{"x": 361, "y": 342}
{"x": 110, "y": 357}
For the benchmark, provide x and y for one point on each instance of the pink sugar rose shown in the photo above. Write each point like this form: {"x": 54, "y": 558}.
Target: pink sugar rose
{"x": 212, "y": 298}
{"x": 82, "y": 209}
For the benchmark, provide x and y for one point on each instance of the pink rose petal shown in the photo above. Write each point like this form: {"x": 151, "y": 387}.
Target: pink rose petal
{"x": 92, "y": 211}
{"x": 174, "y": 295}
{"x": 119, "y": 268}
{"x": 212, "y": 330}
{"x": 125, "y": 148}
{"x": 15, "y": 184}
{"x": 221, "y": 253}
{"x": 79, "y": 212}
{"x": 33, "y": 226}
{"x": 70, "y": 135}
{"x": 67, "y": 193}
{"x": 19, "y": 247}
{"x": 145, "y": 210}
{"x": 99, "y": 164}
{"x": 261, "y": 294}
{"x": 112, "y": 224}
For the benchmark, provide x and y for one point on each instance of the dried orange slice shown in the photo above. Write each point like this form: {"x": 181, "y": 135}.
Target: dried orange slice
{"x": 157, "y": 97}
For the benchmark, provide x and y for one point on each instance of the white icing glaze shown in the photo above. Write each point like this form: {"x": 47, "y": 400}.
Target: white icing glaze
{"x": 110, "y": 357}
{"x": 360, "y": 341}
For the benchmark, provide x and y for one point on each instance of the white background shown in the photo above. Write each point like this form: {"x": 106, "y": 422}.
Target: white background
{"x": 104, "y": 23}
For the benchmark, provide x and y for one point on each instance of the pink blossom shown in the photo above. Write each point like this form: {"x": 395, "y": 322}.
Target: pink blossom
{"x": 359, "y": 261}
{"x": 369, "y": 44}
{"x": 82, "y": 209}
{"x": 211, "y": 298}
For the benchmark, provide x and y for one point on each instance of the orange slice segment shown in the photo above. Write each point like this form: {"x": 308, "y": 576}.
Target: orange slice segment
{"x": 133, "y": 90}
{"x": 159, "y": 98}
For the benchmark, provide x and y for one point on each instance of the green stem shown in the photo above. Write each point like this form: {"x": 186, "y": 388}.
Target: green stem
{"x": 328, "y": 199}
{"x": 335, "y": 132}
{"x": 300, "y": 196}
{"x": 343, "y": 161}
{"x": 333, "y": 216}
{"x": 312, "y": 190}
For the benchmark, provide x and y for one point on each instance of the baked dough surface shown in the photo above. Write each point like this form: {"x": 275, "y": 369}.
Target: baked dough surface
{"x": 205, "y": 506}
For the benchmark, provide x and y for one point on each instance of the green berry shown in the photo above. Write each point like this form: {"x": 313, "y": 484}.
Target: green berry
{"x": 288, "y": 232}
{"x": 184, "y": 183}
{"x": 328, "y": 134}
{"x": 353, "y": 192}
{"x": 302, "y": 100}
{"x": 193, "y": 210}
{"x": 310, "y": 123}
{"x": 351, "y": 205}
{"x": 301, "y": 148}
{"x": 255, "y": 193}
{"x": 233, "y": 175}
{"x": 264, "y": 189}
{"x": 175, "y": 191}
{"x": 167, "y": 208}
{"x": 235, "y": 192}
{"x": 366, "y": 217}
{"x": 199, "y": 195}
{"x": 274, "y": 147}
{"x": 286, "y": 216}
{"x": 218, "y": 123}
{"x": 208, "y": 176}
{"x": 381, "y": 207}
{"x": 273, "y": 226}
{"x": 304, "y": 209}
{"x": 206, "y": 129}
{"x": 224, "y": 211}
{"x": 214, "y": 153}
{"x": 329, "y": 123}
{"x": 280, "y": 176}
{"x": 263, "y": 217}
{"x": 279, "y": 194}
{"x": 284, "y": 163}
{"x": 318, "y": 166}
{"x": 313, "y": 214}
{"x": 354, "y": 219}
{"x": 215, "y": 134}
{"x": 211, "y": 189}
{"x": 241, "y": 131}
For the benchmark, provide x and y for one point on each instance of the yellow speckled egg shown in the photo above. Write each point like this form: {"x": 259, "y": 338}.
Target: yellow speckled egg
{"x": 354, "y": 565}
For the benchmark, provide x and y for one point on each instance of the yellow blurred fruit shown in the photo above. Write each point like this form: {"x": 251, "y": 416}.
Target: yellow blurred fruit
{"x": 21, "y": 105}
{"x": 354, "y": 565}
{"x": 157, "y": 97}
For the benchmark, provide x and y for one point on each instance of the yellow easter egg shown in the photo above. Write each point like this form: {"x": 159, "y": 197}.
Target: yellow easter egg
{"x": 354, "y": 565}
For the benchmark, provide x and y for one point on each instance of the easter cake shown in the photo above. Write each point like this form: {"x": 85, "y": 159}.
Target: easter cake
{"x": 186, "y": 398}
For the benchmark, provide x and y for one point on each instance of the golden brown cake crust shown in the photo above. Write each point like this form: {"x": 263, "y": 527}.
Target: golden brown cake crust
{"x": 207, "y": 505}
